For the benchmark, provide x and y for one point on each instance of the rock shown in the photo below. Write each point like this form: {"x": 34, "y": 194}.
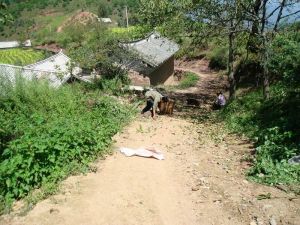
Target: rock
{"x": 294, "y": 160}
{"x": 245, "y": 182}
{"x": 196, "y": 188}
{"x": 272, "y": 221}
{"x": 199, "y": 201}
{"x": 265, "y": 207}
{"x": 54, "y": 211}
{"x": 253, "y": 223}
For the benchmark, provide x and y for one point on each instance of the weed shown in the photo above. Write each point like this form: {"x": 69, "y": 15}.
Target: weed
{"x": 274, "y": 126}
{"x": 47, "y": 134}
{"x": 189, "y": 80}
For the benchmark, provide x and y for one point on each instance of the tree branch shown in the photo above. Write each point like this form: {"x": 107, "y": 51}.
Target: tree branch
{"x": 271, "y": 14}
{"x": 282, "y": 5}
{"x": 290, "y": 14}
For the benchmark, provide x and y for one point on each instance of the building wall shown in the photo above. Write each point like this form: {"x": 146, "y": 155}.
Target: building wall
{"x": 138, "y": 79}
{"x": 162, "y": 73}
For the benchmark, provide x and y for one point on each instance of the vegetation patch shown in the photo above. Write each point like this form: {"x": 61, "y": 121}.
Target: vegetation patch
{"x": 274, "y": 126}
{"x": 189, "y": 80}
{"x": 20, "y": 57}
{"x": 218, "y": 58}
{"x": 47, "y": 134}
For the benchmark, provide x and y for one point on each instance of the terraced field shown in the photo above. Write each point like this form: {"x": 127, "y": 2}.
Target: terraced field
{"x": 20, "y": 57}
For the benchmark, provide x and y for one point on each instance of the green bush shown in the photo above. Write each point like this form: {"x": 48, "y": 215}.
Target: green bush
{"x": 218, "y": 58}
{"x": 271, "y": 165}
{"x": 284, "y": 61}
{"x": 45, "y": 133}
{"x": 275, "y": 127}
{"x": 189, "y": 80}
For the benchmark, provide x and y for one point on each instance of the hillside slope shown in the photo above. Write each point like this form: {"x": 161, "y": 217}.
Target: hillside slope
{"x": 40, "y": 19}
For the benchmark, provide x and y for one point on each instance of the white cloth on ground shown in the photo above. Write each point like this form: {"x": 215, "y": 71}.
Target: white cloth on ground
{"x": 143, "y": 152}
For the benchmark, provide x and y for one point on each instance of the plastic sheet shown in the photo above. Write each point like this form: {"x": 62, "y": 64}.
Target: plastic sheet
{"x": 143, "y": 152}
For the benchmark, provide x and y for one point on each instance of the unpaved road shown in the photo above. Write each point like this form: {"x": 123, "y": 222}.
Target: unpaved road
{"x": 201, "y": 181}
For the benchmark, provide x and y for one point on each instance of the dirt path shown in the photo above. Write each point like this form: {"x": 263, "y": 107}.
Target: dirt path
{"x": 127, "y": 190}
{"x": 201, "y": 181}
{"x": 209, "y": 84}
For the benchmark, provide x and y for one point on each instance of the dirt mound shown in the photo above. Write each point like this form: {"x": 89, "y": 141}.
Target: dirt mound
{"x": 52, "y": 47}
{"x": 79, "y": 18}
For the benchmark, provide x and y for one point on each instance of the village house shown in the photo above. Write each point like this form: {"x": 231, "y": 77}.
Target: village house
{"x": 154, "y": 57}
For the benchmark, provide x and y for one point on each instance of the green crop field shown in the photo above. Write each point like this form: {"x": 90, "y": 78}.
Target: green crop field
{"x": 20, "y": 57}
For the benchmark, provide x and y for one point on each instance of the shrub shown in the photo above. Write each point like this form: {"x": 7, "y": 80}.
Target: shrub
{"x": 218, "y": 58}
{"x": 46, "y": 133}
{"x": 284, "y": 62}
{"x": 275, "y": 127}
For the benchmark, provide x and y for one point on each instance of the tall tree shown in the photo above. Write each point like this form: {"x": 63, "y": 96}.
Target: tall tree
{"x": 203, "y": 18}
{"x": 264, "y": 30}
{"x": 227, "y": 18}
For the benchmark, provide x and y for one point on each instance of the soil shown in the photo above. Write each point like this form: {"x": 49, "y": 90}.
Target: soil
{"x": 201, "y": 181}
{"x": 82, "y": 18}
{"x": 52, "y": 47}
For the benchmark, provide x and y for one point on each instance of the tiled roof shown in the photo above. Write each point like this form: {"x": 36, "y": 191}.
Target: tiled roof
{"x": 56, "y": 63}
{"x": 154, "y": 50}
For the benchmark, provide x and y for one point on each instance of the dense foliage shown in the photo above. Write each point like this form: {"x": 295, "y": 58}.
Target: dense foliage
{"x": 285, "y": 58}
{"x": 48, "y": 133}
{"x": 274, "y": 124}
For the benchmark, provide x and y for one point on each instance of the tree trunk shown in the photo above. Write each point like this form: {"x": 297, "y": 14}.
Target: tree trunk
{"x": 232, "y": 81}
{"x": 264, "y": 52}
{"x": 266, "y": 81}
{"x": 279, "y": 15}
{"x": 266, "y": 86}
{"x": 253, "y": 45}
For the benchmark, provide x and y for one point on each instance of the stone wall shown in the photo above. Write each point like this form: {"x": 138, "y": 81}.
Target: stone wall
{"x": 162, "y": 73}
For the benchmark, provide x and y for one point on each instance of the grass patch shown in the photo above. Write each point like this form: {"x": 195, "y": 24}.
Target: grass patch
{"x": 20, "y": 57}
{"x": 49, "y": 26}
{"x": 47, "y": 134}
{"x": 130, "y": 33}
{"x": 189, "y": 80}
{"x": 275, "y": 127}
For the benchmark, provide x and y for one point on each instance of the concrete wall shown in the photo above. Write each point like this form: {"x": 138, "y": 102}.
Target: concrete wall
{"x": 162, "y": 73}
